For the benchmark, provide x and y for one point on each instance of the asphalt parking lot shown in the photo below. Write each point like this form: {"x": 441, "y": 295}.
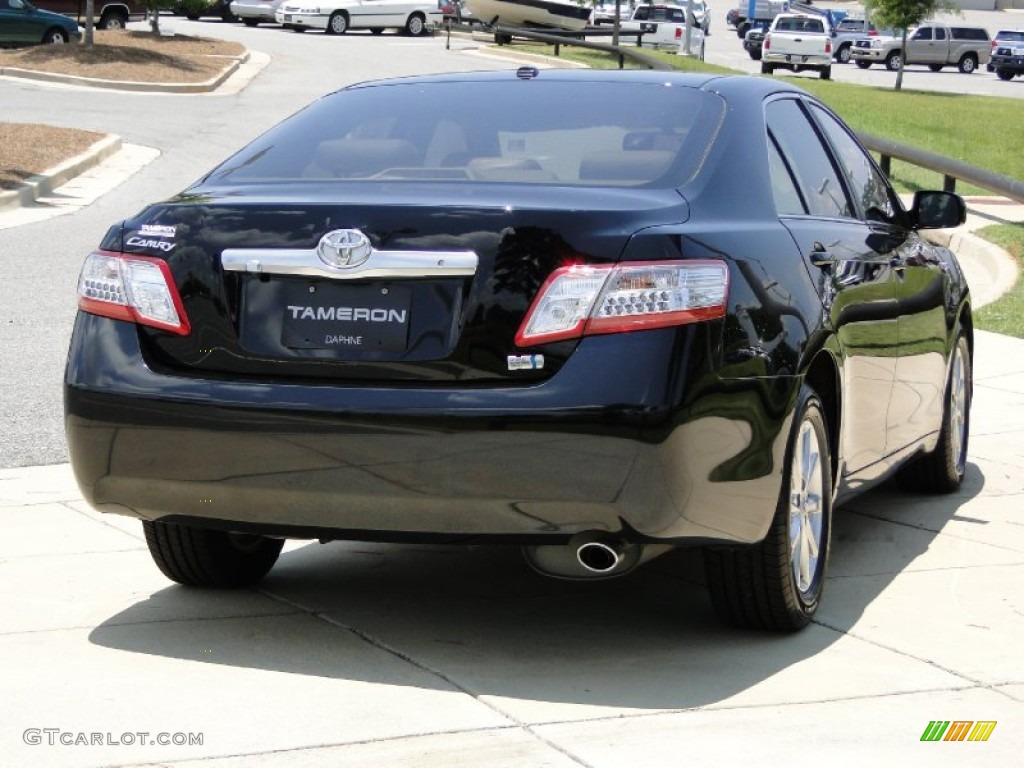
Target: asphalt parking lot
{"x": 372, "y": 655}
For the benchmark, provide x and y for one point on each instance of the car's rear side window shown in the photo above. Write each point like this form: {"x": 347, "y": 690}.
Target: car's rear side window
{"x": 969, "y": 33}
{"x": 803, "y": 153}
{"x": 558, "y": 132}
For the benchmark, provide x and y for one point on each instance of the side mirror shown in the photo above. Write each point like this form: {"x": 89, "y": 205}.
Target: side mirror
{"x": 938, "y": 210}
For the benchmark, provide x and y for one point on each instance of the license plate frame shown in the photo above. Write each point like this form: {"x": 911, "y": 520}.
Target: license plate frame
{"x": 363, "y": 318}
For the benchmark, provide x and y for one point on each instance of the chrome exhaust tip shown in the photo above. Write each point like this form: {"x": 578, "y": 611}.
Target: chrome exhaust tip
{"x": 599, "y": 557}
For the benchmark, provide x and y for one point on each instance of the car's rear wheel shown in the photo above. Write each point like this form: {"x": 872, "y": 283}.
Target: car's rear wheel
{"x": 778, "y": 583}
{"x": 113, "y": 20}
{"x": 203, "y": 557}
{"x": 863, "y": 64}
{"x": 892, "y": 61}
{"x": 250, "y": 22}
{"x": 843, "y": 55}
{"x": 935, "y": 67}
{"x": 942, "y": 470}
{"x": 968, "y": 63}
{"x": 755, "y": 54}
{"x": 416, "y": 25}
{"x": 377, "y": 31}
{"x": 337, "y": 24}
{"x": 825, "y": 73}
{"x": 767, "y": 69}
{"x": 1004, "y": 74}
{"x": 55, "y": 36}
{"x": 502, "y": 38}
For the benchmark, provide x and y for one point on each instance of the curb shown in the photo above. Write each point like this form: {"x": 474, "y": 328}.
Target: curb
{"x": 131, "y": 85}
{"x": 44, "y": 183}
{"x": 999, "y": 267}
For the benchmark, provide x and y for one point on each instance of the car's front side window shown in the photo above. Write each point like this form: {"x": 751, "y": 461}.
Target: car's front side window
{"x": 873, "y": 193}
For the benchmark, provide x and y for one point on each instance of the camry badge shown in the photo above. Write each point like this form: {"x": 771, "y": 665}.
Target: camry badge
{"x": 344, "y": 248}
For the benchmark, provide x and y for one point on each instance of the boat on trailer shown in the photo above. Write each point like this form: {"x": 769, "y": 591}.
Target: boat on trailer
{"x": 556, "y": 14}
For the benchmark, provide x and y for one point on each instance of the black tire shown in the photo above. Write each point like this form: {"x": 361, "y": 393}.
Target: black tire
{"x": 113, "y": 20}
{"x": 502, "y": 38}
{"x": 935, "y": 67}
{"x": 251, "y": 22}
{"x": 755, "y": 54}
{"x": 742, "y": 29}
{"x": 300, "y": 30}
{"x": 55, "y": 36}
{"x": 863, "y": 63}
{"x": 843, "y": 54}
{"x": 942, "y": 470}
{"x": 825, "y": 73}
{"x": 416, "y": 25}
{"x": 377, "y": 31}
{"x": 767, "y": 69}
{"x": 228, "y": 16}
{"x": 968, "y": 63}
{"x": 337, "y": 24}
{"x": 777, "y": 584}
{"x": 192, "y": 16}
{"x": 1004, "y": 74}
{"x": 892, "y": 61}
{"x": 203, "y": 557}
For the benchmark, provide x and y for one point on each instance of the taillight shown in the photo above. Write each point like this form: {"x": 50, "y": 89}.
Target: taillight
{"x": 828, "y": 46}
{"x": 584, "y": 300}
{"x": 767, "y": 43}
{"x": 138, "y": 289}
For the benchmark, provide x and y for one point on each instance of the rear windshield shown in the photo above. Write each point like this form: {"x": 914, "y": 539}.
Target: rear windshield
{"x": 799, "y": 25}
{"x": 1010, "y": 37}
{"x": 526, "y": 132}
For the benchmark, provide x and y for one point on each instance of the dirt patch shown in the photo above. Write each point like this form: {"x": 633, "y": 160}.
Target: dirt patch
{"x": 130, "y": 56}
{"x": 27, "y": 149}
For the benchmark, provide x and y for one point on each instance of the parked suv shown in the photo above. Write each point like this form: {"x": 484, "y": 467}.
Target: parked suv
{"x": 1005, "y": 37}
{"x": 1008, "y": 60}
{"x": 936, "y": 45}
{"x": 106, "y": 14}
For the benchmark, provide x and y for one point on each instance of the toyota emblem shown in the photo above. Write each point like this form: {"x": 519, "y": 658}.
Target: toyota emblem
{"x": 344, "y": 248}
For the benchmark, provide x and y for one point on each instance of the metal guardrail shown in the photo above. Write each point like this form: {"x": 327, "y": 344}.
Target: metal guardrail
{"x": 567, "y": 39}
{"x": 950, "y": 169}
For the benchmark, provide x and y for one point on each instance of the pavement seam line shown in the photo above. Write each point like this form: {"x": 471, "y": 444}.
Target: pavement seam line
{"x": 906, "y": 654}
{"x": 329, "y": 745}
{"x": 102, "y": 522}
{"x": 926, "y": 529}
{"x": 175, "y": 620}
{"x": 382, "y": 646}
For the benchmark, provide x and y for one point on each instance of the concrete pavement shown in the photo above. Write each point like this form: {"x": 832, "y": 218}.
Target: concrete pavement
{"x": 367, "y": 655}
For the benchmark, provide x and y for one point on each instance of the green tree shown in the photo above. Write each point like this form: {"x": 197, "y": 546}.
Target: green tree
{"x": 904, "y": 15}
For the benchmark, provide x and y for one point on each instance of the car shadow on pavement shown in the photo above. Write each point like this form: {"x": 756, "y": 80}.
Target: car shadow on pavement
{"x": 477, "y": 619}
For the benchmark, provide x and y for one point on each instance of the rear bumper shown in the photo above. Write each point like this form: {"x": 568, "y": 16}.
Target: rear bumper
{"x": 796, "y": 60}
{"x": 612, "y": 442}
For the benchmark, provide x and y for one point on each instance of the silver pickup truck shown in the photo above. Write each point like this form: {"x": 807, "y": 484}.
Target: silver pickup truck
{"x": 798, "y": 41}
{"x": 937, "y": 45}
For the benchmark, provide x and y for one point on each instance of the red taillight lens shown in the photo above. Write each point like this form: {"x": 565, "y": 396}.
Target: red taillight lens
{"x": 138, "y": 289}
{"x": 828, "y": 46}
{"x": 587, "y": 300}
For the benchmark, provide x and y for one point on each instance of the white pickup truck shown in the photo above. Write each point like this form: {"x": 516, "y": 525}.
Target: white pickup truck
{"x": 798, "y": 41}
{"x": 664, "y": 27}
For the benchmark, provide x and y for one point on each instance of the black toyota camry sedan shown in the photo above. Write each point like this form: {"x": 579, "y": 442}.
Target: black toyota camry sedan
{"x": 595, "y": 315}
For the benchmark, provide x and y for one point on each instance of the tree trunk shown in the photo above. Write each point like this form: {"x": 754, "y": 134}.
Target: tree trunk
{"x": 903, "y": 61}
{"x": 90, "y": 8}
{"x": 615, "y": 23}
{"x": 154, "y": 18}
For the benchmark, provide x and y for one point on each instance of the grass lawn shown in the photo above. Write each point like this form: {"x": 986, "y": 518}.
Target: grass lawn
{"x": 1007, "y": 314}
{"x": 985, "y": 131}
